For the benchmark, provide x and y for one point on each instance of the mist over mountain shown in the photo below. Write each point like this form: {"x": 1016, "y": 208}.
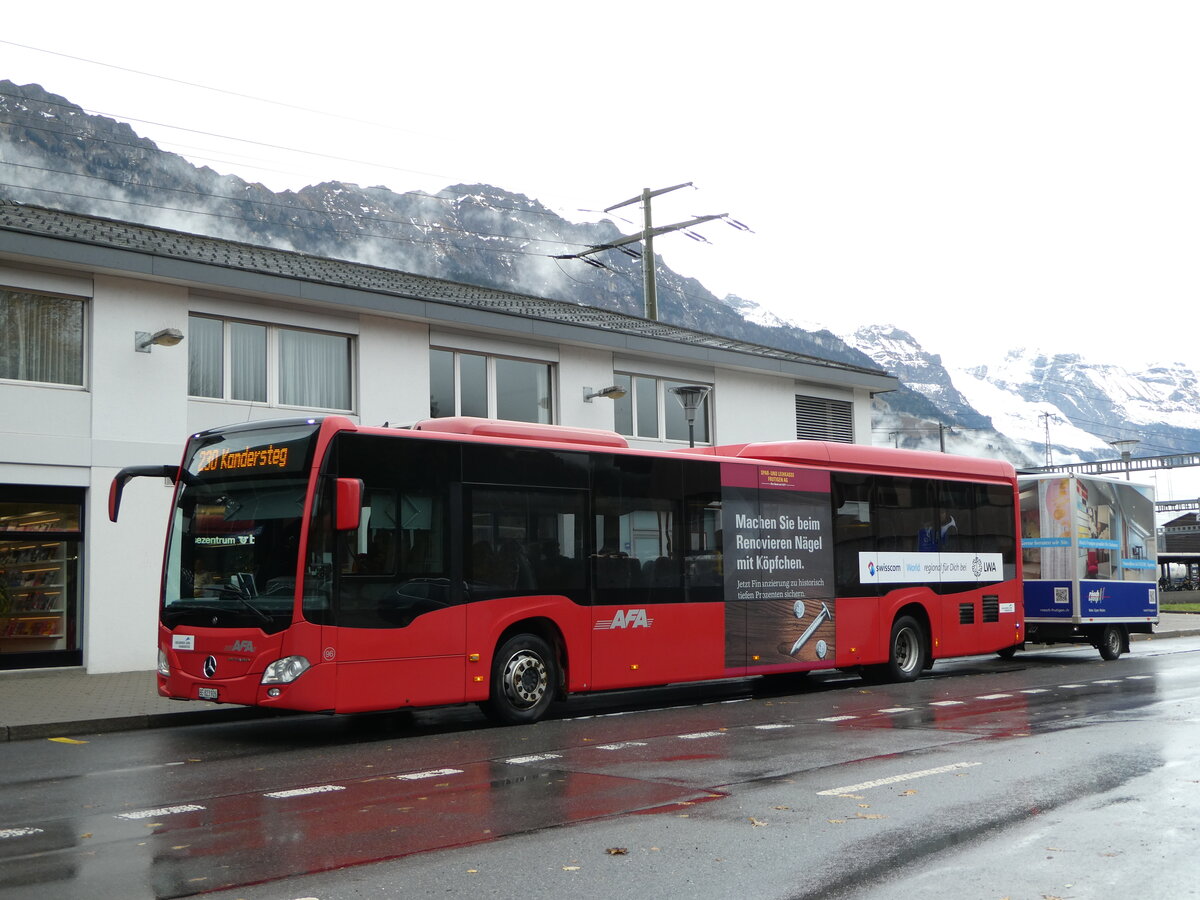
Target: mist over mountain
{"x": 56, "y": 155}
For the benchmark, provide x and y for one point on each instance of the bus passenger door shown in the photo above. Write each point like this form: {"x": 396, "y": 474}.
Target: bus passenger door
{"x": 398, "y": 625}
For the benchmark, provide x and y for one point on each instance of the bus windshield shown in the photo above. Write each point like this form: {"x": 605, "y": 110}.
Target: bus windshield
{"x": 235, "y": 533}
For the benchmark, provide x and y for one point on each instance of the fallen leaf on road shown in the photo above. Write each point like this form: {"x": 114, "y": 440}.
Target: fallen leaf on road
{"x": 570, "y": 868}
{"x": 617, "y": 851}
{"x": 756, "y": 823}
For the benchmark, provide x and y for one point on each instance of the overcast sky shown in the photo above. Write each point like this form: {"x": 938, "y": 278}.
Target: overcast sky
{"x": 984, "y": 175}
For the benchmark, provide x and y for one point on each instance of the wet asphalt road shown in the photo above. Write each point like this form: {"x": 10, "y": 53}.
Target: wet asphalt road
{"x": 1051, "y": 775}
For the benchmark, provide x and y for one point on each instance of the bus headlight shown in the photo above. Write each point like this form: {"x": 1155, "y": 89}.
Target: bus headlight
{"x": 286, "y": 670}
{"x": 164, "y": 667}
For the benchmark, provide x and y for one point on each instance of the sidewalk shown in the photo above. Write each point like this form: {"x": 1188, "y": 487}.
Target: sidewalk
{"x": 47, "y": 703}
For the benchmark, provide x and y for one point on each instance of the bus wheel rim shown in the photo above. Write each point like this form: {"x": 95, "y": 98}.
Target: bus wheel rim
{"x": 525, "y": 679}
{"x": 906, "y": 650}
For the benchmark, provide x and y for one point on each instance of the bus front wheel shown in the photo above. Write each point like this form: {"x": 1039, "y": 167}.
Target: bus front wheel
{"x": 524, "y": 673}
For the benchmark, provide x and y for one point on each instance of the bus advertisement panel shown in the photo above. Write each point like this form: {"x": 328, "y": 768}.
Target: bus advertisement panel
{"x": 779, "y": 606}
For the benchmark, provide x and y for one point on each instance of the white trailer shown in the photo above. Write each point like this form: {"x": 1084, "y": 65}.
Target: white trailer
{"x": 1089, "y": 560}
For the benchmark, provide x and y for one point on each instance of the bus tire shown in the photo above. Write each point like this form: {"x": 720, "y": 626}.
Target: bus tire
{"x": 524, "y": 675}
{"x": 907, "y": 652}
{"x": 1008, "y": 652}
{"x": 1112, "y": 642}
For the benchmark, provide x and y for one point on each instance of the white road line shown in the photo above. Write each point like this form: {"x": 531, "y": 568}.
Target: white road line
{"x": 774, "y": 727}
{"x": 304, "y": 792}
{"x": 1137, "y": 677}
{"x": 1072, "y": 685}
{"x": 946, "y": 703}
{"x": 1107, "y": 681}
{"x": 1034, "y": 691}
{"x": 18, "y": 832}
{"x": 162, "y": 811}
{"x": 895, "y": 779}
{"x": 896, "y": 709}
{"x": 700, "y": 734}
{"x": 837, "y": 718}
{"x": 620, "y": 745}
{"x": 993, "y": 696}
{"x": 432, "y": 773}
{"x": 537, "y": 757}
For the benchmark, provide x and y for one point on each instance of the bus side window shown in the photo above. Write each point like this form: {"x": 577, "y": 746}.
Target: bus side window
{"x": 853, "y": 531}
{"x": 523, "y": 540}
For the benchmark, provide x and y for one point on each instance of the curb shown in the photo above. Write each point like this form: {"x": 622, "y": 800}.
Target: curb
{"x": 39, "y": 730}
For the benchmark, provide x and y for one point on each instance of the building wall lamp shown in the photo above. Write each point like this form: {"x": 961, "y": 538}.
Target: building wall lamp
{"x": 167, "y": 337}
{"x": 613, "y": 392}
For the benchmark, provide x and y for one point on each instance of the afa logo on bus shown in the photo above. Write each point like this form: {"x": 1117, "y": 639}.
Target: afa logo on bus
{"x": 625, "y": 618}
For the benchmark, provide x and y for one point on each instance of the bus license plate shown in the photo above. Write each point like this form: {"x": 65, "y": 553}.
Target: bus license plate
{"x": 208, "y": 693}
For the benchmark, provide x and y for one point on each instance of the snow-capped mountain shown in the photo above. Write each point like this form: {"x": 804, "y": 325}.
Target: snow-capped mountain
{"x": 1027, "y": 407}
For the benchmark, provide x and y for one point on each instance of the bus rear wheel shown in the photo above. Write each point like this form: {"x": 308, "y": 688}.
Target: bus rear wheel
{"x": 524, "y": 674}
{"x": 907, "y": 653}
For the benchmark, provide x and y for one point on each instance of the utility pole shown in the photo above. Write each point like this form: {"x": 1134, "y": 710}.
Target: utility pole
{"x": 647, "y": 235}
{"x": 1045, "y": 417}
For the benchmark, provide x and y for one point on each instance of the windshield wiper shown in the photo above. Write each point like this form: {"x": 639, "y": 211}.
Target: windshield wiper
{"x": 243, "y": 597}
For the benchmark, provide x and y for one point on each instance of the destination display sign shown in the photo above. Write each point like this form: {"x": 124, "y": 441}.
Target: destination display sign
{"x": 270, "y": 451}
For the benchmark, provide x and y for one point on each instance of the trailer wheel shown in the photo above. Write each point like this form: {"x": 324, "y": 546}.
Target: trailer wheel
{"x": 906, "y": 656}
{"x": 524, "y": 673}
{"x": 1112, "y": 642}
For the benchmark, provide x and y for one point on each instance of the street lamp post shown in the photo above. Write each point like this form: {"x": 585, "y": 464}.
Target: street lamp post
{"x": 1125, "y": 448}
{"x": 690, "y": 396}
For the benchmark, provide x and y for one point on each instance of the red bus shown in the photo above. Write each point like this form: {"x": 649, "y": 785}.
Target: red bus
{"x": 319, "y": 565}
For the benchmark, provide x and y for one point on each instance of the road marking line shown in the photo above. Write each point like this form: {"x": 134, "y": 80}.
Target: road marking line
{"x": 837, "y": 718}
{"x": 1107, "y": 681}
{"x": 946, "y": 703}
{"x": 993, "y": 696}
{"x": 620, "y": 745}
{"x": 163, "y": 811}
{"x": 897, "y": 709}
{"x": 432, "y": 773}
{"x": 700, "y": 734}
{"x": 895, "y": 779}
{"x": 18, "y": 832}
{"x": 1034, "y": 691}
{"x": 537, "y": 757}
{"x": 1137, "y": 677}
{"x": 304, "y": 792}
{"x": 774, "y": 727}
{"x": 1072, "y": 685}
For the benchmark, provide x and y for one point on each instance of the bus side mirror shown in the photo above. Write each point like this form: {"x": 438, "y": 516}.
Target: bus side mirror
{"x": 117, "y": 488}
{"x": 348, "y": 504}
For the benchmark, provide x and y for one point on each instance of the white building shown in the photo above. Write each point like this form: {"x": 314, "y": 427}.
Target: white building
{"x": 271, "y": 334}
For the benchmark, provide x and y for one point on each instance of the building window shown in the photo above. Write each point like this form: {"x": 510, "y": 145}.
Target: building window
{"x": 651, "y": 412}
{"x": 231, "y": 360}
{"x": 41, "y": 338}
{"x": 820, "y": 419}
{"x": 493, "y": 387}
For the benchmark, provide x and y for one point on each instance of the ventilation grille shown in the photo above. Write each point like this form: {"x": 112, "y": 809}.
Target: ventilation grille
{"x": 991, "y": 608}
{"x": 821, "y": 419}
{"x": 966, "y": 614}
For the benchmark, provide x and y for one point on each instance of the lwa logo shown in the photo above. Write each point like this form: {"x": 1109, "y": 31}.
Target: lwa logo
{"x": 625, "y": 618}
